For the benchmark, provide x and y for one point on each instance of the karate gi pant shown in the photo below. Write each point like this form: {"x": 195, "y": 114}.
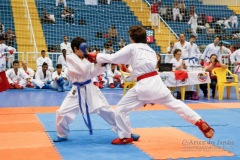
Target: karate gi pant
{"x": 234, "y": 24}
{"x": 70, "y": 108}
{"x": 155, "y": 19}
{"x": 131, "y": 102}
{"x": 177, "y": 15}
{"x": 2, "y": 64}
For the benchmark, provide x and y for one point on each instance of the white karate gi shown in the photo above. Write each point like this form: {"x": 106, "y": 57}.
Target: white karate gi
{"x": 194, "y": 53}
{"x": 235, "y": 57}
{"x": 47, "y": 60}
{"x": 110, "y": 76}
{"x": 67, "y": 47}
{"x": 149, "y": 90}
{"x": 3, "y": 48}
{"x": 193, "y": 22}
{"x": 177, "y": 63}
{"x": 209, "y": 50}
{"x": 176, "y": 13}
{"x": 29, "y": 72}
{"x": 40, "y": 80}
{"x": 234, "y": 21}
{"x": 54, "y": 76}
{"x": 62, "y": 61}
{"x": 20, "y": 77}
{"x": 81, "y": 71}
{"x": 10, "y": 56}
{"x": 186, "y": 49}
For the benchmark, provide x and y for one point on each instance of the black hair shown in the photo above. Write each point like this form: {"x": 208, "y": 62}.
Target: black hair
{"x": 138, "y": 34}
{"x": 43, "y": 51}
{"x": 76, "y": 42}
{"x": 213, "y": 55}
{"x": 44, "y": 64}
{"x": 59, "y": 66}
{"x": 176, "y": 51}
{"x": 15, "y": 61}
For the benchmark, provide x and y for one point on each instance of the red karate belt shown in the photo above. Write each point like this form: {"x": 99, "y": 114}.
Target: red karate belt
{"x": 151, "y": 74}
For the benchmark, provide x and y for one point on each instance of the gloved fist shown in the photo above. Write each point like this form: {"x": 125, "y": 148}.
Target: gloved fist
{"x": 11, "y": 51}
{"x": 60, "y": 79}
{"x": 48, "y": 82}
{"x": 83, "y": 48}
{"x": 92, "y": 57}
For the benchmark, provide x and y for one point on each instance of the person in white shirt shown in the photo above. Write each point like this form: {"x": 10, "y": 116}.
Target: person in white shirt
{"x": 178, "y": 63}
{"x": 10, "y": 57}
{"x": 62, "y": 59}
{"x": 184, "y": 46}
{"x": 235, "y": 59}
{"x": 114, "y": 77}
{"x": 194, "y": 53}
{"x": 176, "y": 13}
{"x": 59, "y": 79}
{"x": 3, "y": 49}
{"x": 61, "y": 2}
{"x": 43, "y": 78}
{"x": 234, "y": 20}
{"x": 169, "y": 55}
{"x": 66, "y": 45}
{"x": 224, "y": 22}
{"x": 212, "y": 48}
{"x": 163, "y": 11}
{"x": 45, "y": 59}
{"x": 27, "y": 70}
{"x": 193, "y": 22}
{"x": 149, "y": 87}
{"x": 17, "y": 78}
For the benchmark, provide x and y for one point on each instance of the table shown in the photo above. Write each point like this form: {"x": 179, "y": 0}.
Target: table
{"x": 194, "y": 78}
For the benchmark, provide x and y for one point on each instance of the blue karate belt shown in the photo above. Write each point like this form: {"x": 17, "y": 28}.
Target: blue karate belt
{"x": 88, "y": 121}
{"x": 192, "y": 59}
{"x": 185, "y": 59}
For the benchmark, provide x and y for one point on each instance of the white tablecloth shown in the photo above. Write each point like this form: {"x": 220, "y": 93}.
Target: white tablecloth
{"x": 195, "y": 77}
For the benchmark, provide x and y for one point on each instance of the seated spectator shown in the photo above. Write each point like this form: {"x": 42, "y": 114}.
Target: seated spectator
{"x": 122, "y": 43}
{"x": 178, "y": 63}
{"x": 43, "y": 78}
{"x": 182, "y": 5}
{"x": 201, "y": 20}
{"x": 169, "y": 56}
{"x": 10, "y": 37}
{"x": 163, "y": 11}
{"x": 44, "y": 59}
{"x": 17, "y": 78}
{"x": 112, "y": 34}
{"x": 68, "y": 15}
{"x": 114, "y": 77}
{"x": 61, "y": 2}
{"x": 62, "y": 59}
{"x": 234, "y": 20}
{"x": 59, "y": 79}
{"x": 175, "y": 3}
{"x": 27, "y": 70}
{"x": 176, "y": 13}
{"x": 224, "y": 22}
{"x": 209, "y": 66}
{"x": 158, "y": 62}
{"x": 47, "y": 18}
{"x": 1, "y": 28}
{"x": 169, "y": 14}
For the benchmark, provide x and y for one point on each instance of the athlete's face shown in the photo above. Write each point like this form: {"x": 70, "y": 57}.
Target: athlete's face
{"x": 15, "y": 66}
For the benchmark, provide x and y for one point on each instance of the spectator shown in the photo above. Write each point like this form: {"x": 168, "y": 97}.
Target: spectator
{"x": 114, "y": 77}
{"x": 176, "y": 13}
{"x": 47, "y": 18}
{"x": 62, "y": 59}
{"x": 27, "y": 70}
{"x": 209, "y": 66}
{"x": 195, "y": 52}
{"x": 175, "y": 3}
{"x": 68, "y": 15}
{"x": 10, "y": 57}
{"x": 169, "y": 13}
{"x": 232, "y": 48}
{"x": 44, "y": 59}
{"x": 163, "y": 11}
{"x": 158, "y": 62}
{"x": 122, "y": 43}
{"x": 112, "y": 34}
{"x": 10, "y": 37}
{"x": 234, "y": 20}
{"x": 61, "y": 2}
{"x": 224, "y": 22}
{"x": 169, "y": 55}
{"x": 179, "y": 63}
{"x": 193, "y": 22}
{"x": 154, "y": 14}
{"x": 66, "y": 45}
{"x": 59, "y": 79}
{"x": 182, "y": 5}
{"x": 1, "y": 28}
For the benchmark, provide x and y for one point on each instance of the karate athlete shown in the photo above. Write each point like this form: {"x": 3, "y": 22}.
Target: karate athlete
{"x": 62, "y": 59}
{"x": 45, "y": 59}
{"x": 43, "y": 78}
{"x": 27, "y": 70}
{"x": 212, "y": 48}
{"x": 184, "y": 46}
{"x": 17, "y": 78}
{"x": 4, "y": 85}
{"x": 84, "y": 97}
{"x": 148, "y": 89}
{"x": 59, "y": 79}
{"x": 193, "y": 22}
{"x": 114, "y": 77}
{"x": 235, "y": 59}
{"x": 194, "y": 52}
